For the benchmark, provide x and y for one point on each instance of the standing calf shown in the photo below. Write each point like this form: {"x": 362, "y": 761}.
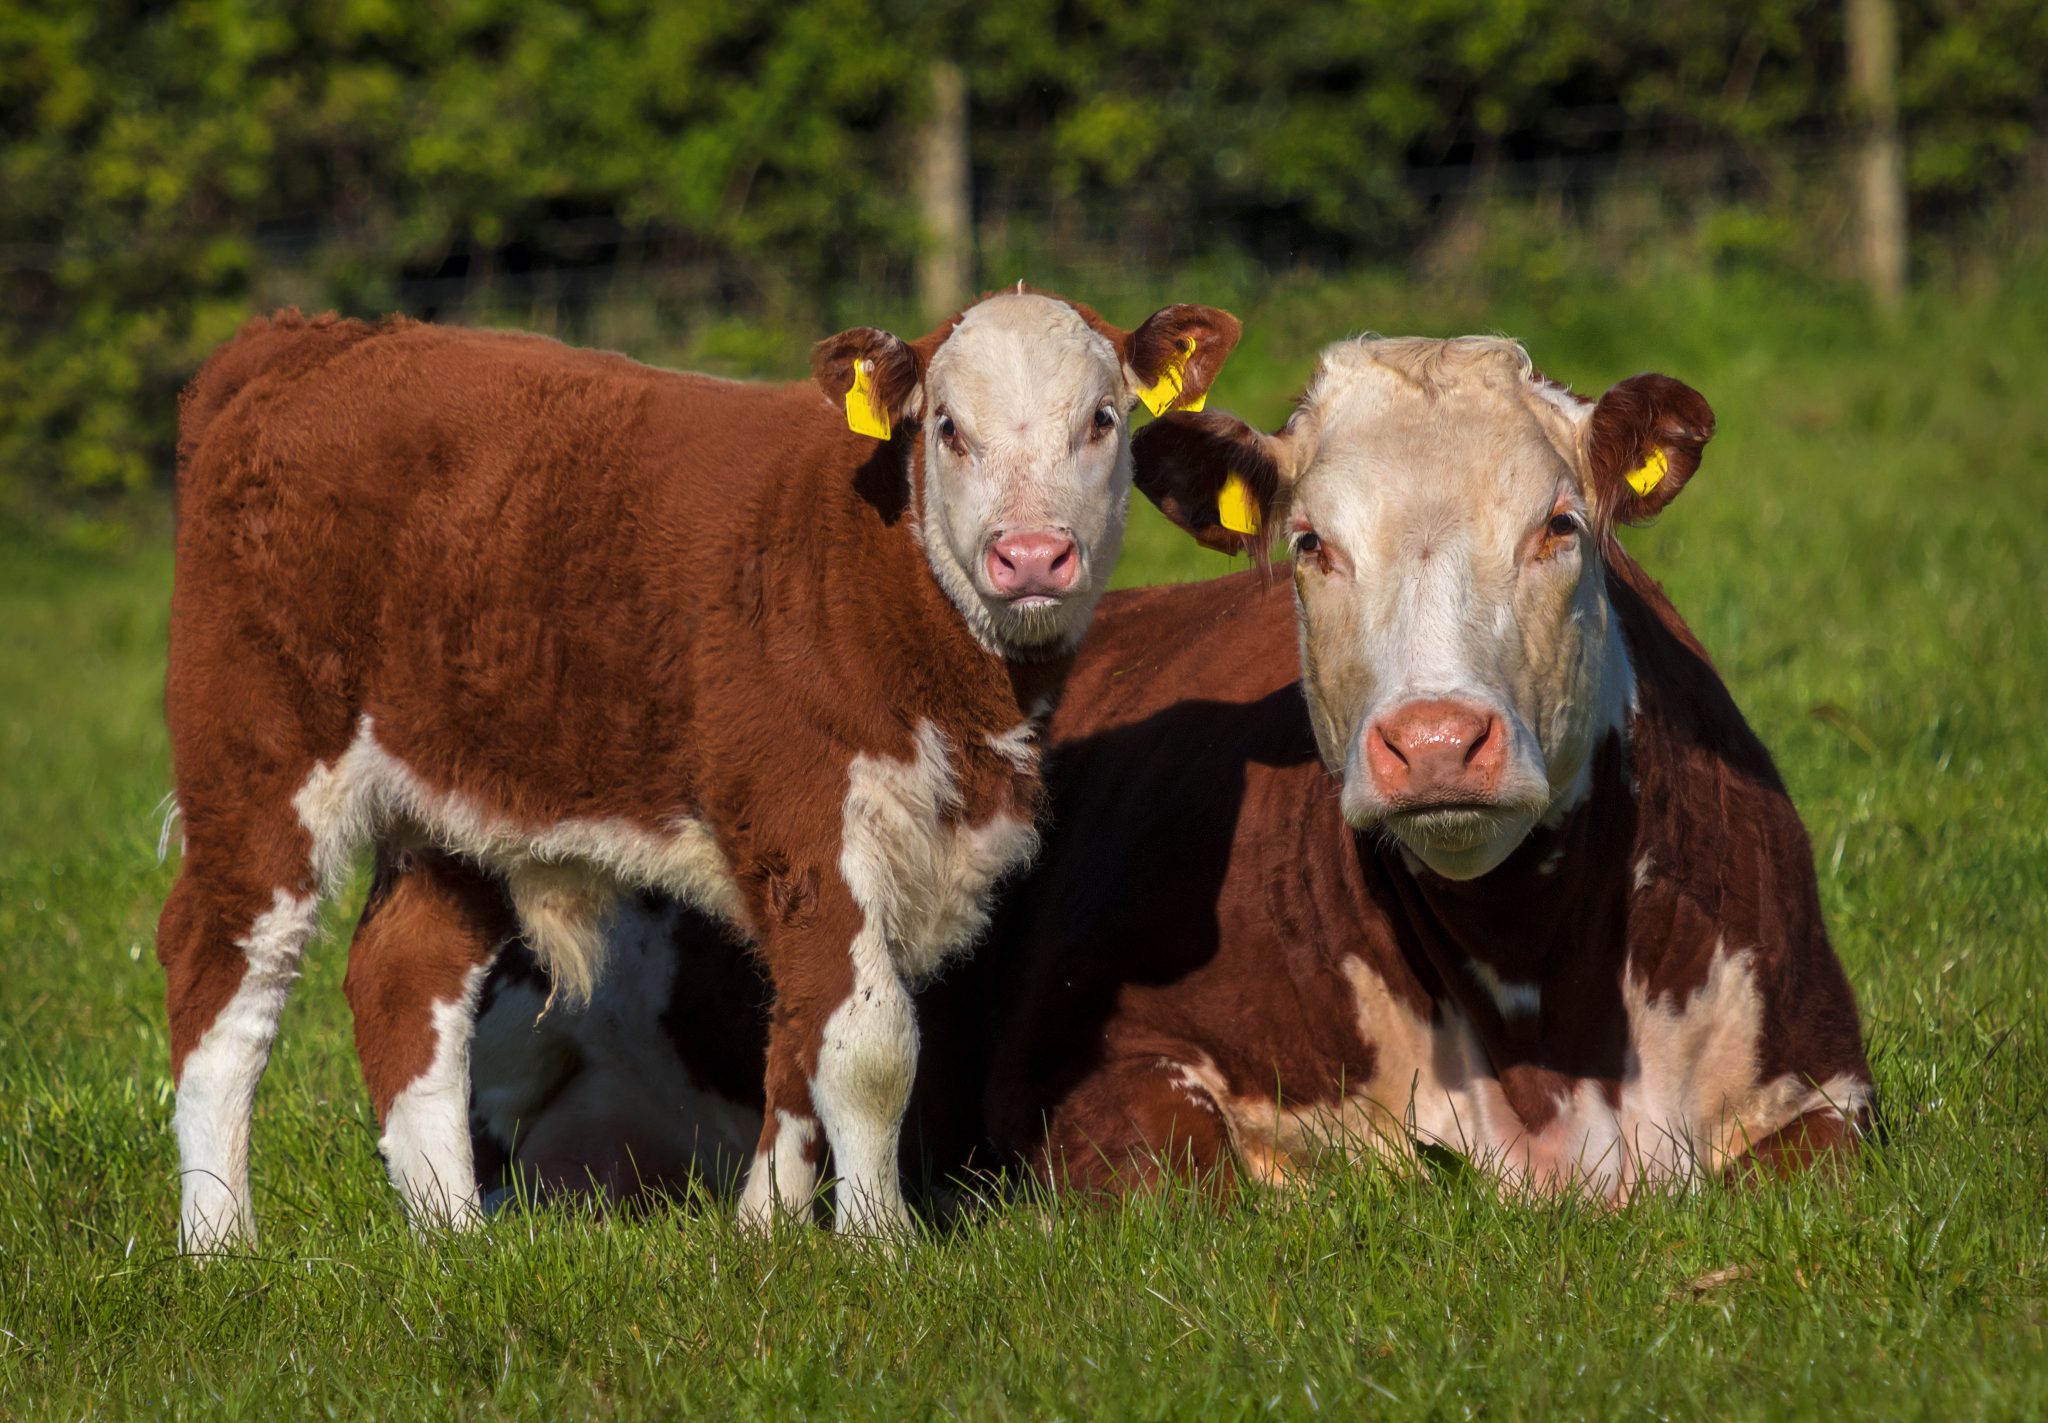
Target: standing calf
{"x": 594, "y": 626}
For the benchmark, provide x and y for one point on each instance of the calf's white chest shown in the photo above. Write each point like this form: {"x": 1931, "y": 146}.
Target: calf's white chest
{"x": 921, "y": 874}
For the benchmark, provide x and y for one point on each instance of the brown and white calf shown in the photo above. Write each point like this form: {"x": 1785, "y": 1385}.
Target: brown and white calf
{"x": 596, "y": 627}
{"x": 1493, "y": 864}
{"x": 1497, "y": 865}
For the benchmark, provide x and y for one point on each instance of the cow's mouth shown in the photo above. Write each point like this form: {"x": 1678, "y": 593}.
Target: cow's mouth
{"x": 1451, "y": 827}
{"x": 1028, "y": 603}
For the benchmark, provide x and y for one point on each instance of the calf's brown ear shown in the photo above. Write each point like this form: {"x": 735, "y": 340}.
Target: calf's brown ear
{"x": 1643, "y": 442}
{"x": 871, "y": 374}
{"x": 1171, "y": 360}
{"x": 1215, "y": 476}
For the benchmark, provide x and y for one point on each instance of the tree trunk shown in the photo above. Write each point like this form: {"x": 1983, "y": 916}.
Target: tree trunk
{"x": 1873, "y": 35}
{"x": 945, "y": 196}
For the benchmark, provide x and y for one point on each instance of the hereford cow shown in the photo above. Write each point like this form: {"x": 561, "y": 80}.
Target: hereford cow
{"x": 597, "y": 627}
{"x": 1504, "y": 871}
{"x": 1495, "y": 865}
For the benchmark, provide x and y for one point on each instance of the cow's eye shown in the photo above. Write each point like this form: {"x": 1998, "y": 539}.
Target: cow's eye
{"x": 1563, "y": 526}
{"x": 948, "y": 431}
{"x": 1105, "y": 420}
{"x": 1307, "y": 544}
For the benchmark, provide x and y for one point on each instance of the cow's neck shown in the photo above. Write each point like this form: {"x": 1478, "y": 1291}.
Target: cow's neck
{"x": 1532, "y": 953}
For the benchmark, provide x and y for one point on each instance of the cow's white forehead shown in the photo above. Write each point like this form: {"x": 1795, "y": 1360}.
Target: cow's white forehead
{"x": 1469, "y": 406}
{"x": 1020, "y": 349}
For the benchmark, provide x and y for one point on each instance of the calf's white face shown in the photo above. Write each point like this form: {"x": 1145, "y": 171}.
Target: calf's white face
{"x": 1027, "y": 469}
{"x": 1445, "y": 509}
{"x": 1023, "y": 403}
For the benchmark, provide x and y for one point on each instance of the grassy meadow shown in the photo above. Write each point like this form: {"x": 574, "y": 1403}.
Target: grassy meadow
{"x": 1865, "y": 552}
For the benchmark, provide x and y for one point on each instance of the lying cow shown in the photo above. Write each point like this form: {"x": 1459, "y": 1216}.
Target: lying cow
{"x": 1497, "y": 866}
{"x": 1505, "y": 872}
{"x": 600, "y": 627}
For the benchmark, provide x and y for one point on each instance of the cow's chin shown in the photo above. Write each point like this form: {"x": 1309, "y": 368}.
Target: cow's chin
{"x": 1456, "y": 842}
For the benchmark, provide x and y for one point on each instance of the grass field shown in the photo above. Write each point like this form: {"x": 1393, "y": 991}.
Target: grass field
{"x": 1865, "y": 553}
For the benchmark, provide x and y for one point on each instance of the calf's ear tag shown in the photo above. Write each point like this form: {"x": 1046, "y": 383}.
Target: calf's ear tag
{"x": 1236, "y": 510}
{"x": 861, "y": 417}
{"x": 1159, "y": 397}
{"x": 1650, "y": 473}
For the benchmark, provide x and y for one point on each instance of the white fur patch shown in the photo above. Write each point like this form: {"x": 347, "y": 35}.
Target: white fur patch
{"x": 1690, "y": 1102}
{"x": 563, "y": 877}
{"x": 217, "y": 1081}
{"x": 1515, "y": 1000}
{"x": 923, "y": 879}
{"x": 1018, "y": 746}
{"x": 572, "y": 1083}
{"x": 426, "y": 1129}
{"x": 781, "y": 1180}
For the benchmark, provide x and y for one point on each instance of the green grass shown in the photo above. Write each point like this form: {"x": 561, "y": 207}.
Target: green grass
{"x": 1866, "y": 553}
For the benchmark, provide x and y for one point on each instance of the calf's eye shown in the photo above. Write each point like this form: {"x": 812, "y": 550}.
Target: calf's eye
{"x": 1105, "y": 419}
{"x": 1307, "y": 544}
{"x": 1563, "y": 526}
{"x": 947, "y": 430}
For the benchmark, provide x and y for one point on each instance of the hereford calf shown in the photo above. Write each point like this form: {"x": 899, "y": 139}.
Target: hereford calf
{"x": 1505, "y": 871}
{"x": 595, "y": 627}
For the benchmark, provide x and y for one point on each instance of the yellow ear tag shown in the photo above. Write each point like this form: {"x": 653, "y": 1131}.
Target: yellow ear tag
{"x": 861, "y": 417}
{"x": 1236, "y": 510}
{"x": 1159, "y": 397}
{"x": 1651, "y": 472}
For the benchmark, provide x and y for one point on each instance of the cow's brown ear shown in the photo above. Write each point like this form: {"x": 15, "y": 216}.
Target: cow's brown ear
{"x": 1171, "y": 360}
{"x": 1643, "y": 442}
{"x": 870, "y": 374}
{"x": 1215, "y": 476}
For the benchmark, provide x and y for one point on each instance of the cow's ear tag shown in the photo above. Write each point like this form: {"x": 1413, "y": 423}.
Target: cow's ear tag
{"x": 1159, "y": 397}
{"x": 1650, "y": 473}
{"x": 1236, "y": 510}
{"x": 861, "y": 417}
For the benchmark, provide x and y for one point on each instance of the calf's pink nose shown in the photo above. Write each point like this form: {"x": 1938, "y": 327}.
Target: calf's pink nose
{"x": 1433, "y": 751}
{"x": 1034, "y": 563}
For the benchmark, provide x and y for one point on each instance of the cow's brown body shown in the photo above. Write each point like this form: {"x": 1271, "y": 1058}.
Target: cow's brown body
{"x": 593, "y": 626}
{"x": 1209, "y": 968}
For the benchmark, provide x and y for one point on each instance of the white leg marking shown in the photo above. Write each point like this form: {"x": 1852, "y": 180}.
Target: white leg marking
{"x": 922, "y": 883}
{"x": 780, "y": 1181}
{"x": 217, "y": 1084}
{"x": 426, "y": 1131}
{"x": 865, "y": 1067}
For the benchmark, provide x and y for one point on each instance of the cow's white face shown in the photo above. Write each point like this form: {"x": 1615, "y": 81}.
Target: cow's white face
{"x": 1027, "y": 470}
{"x": 1457, "y": 646}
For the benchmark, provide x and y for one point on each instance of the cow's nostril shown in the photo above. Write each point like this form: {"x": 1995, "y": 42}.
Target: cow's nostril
{"x": 1472, "y": 747}
{"x": 1393, "y": 747}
